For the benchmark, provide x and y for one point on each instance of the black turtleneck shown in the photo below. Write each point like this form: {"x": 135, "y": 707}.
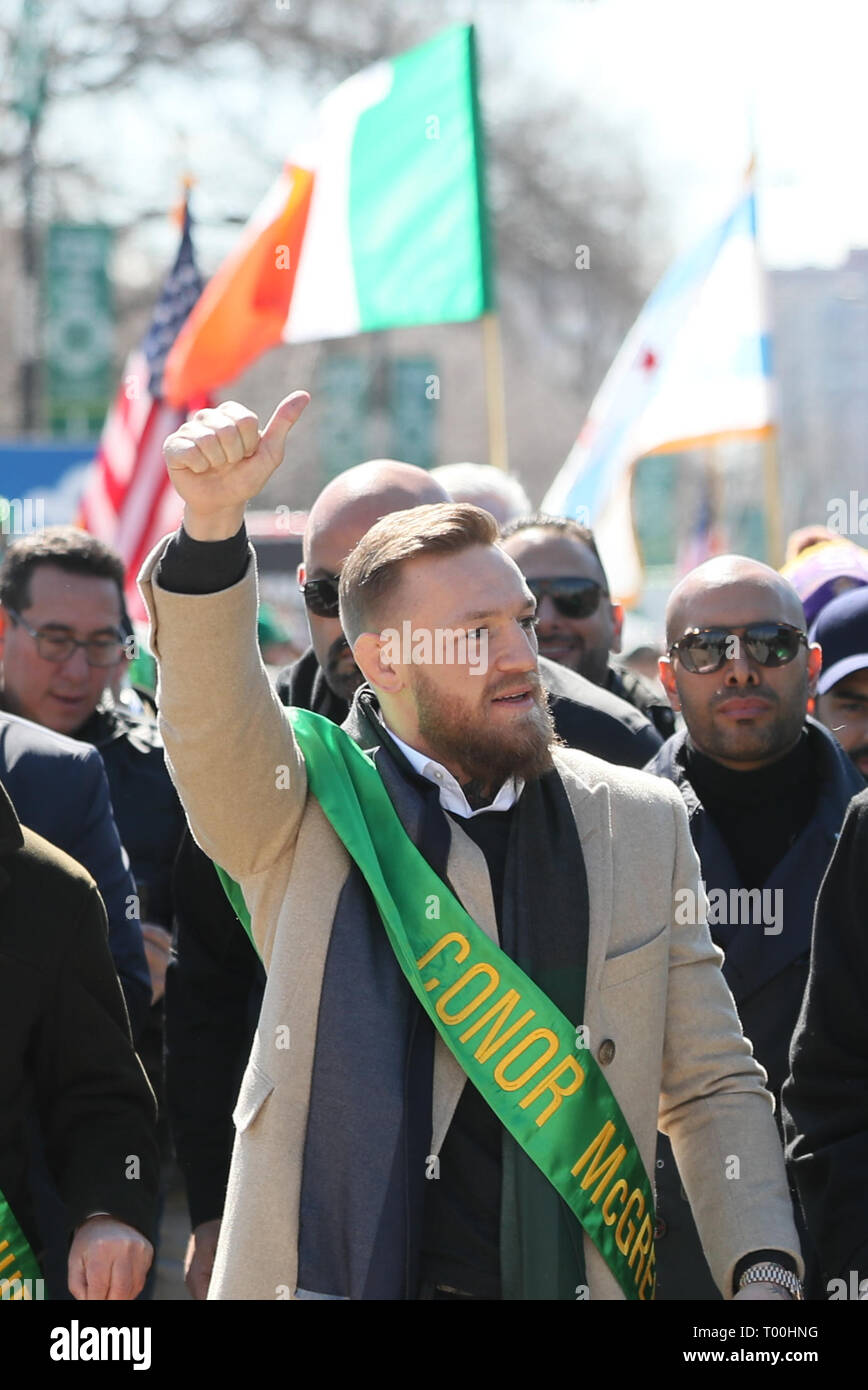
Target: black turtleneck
{"x": 758, "y": 813}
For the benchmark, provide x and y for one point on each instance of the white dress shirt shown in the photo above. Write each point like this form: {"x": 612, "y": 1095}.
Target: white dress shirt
{"x": 452, "y": 798}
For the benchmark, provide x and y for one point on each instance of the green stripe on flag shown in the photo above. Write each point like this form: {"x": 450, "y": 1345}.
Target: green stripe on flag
{"x": 416, "y": 201}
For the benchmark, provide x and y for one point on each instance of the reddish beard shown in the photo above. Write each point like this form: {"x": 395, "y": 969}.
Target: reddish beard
{"x": 459, "y": 733}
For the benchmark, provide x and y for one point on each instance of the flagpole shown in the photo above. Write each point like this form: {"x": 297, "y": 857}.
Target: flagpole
{"x": 771, "y": 474}
{"x": 771, "y": 466}
{"x": 495, "y": 395}
{"x": 715, "y": 496}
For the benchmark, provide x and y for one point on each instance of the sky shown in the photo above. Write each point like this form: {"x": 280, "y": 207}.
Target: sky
{"x": 692, "y": 78}
{"x": 693, "y": 83}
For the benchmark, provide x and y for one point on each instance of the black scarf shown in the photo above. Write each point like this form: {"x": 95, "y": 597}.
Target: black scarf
{"x": 369, "y": 1123}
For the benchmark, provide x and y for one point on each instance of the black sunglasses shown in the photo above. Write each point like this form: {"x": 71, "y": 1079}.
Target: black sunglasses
{"x": 705, "y": 650}
{"x": 321, "y": 596}
{"x": 572, "y": 597}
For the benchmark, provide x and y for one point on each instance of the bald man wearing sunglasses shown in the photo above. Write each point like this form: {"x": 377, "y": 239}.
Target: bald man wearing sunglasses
{"x": 766, "y": 790}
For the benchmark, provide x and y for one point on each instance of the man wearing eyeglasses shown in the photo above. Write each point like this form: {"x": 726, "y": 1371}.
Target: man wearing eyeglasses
{"x": 766, "y": 789}
{"x": 579, "y": 625}
{"x": 53, "y": 676}
{"x": 63, "y": 641}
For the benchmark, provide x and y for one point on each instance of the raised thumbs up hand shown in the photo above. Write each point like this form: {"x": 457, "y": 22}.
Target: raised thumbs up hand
{"x": 220, "y": 458}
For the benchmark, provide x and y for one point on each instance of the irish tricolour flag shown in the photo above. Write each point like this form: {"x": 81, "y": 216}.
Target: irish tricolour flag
{"x": 384, "y": 227}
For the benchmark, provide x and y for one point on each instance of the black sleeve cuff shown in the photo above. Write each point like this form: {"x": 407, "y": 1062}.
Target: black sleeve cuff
{"x": 773, "y": 1257}
{"x": 203, "y": 567}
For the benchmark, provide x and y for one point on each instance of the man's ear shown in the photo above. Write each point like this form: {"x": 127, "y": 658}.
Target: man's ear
{"x": 617, "y": 624}
{"x": 3, "y": 621}
{"x": 378, "y": 658}
{"x": 667, "y": 679}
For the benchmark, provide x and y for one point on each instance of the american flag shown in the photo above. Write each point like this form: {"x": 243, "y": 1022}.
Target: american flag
{"x": 129, "y": 502}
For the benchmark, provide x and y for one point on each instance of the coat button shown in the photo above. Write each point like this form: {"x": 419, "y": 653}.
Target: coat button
{"x": 605, "y": 1052}
{"x": 660, "y": 1228}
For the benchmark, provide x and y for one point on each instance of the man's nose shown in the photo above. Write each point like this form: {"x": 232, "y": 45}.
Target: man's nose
{"x": 547, "y": 614}
{"x": 740, "y": 670}
{"x": 518, "y": 650}
{"x": 75, "y": 666}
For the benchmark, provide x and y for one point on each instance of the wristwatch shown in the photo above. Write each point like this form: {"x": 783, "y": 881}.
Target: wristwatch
{"x": 767, "y": 1273}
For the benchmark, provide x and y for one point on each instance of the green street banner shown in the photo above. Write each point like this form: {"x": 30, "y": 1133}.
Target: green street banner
{"x": 414, "y": 390}
{"x": 79, "y": 327}
{"x": 522, "y": 1054}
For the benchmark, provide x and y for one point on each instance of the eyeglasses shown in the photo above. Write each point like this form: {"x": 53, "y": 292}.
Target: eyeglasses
{"x": 704, "y": 650}
{"x": 321, "y": 596}
{"x": 572, "y": 597}
{"x": 59, "y": 646}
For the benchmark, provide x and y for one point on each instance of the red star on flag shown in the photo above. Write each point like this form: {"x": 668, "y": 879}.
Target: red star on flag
{"x": 649, "y": 360}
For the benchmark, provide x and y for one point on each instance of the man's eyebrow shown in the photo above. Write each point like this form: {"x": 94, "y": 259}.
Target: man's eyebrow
{"x": 108, "y": 631}
{"x": 842, "y": 693}
{"x": 479, "y": 615}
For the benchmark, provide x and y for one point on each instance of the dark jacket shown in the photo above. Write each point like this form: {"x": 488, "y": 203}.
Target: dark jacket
{"x": 67, "y": 1051}
{"x": 825, "y": 1102}
{"x": 215, "y": 982}
{"x": 766, "y": 972}
{"x": 637, "y": 691}
{"x": 149, "y": 816}
{"x": 58, "y": 788}
{"x": 214, "y": 987}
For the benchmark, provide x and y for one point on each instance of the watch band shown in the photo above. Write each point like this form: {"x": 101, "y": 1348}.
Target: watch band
{"x": 767, "y": 1273}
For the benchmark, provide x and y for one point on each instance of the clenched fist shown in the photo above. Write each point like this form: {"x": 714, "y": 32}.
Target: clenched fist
{"x": 108, "y": 1260}
{"x": 220, "y": 458}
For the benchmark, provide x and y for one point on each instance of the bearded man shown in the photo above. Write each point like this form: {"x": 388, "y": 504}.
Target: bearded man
{"x": 438, "y": 891}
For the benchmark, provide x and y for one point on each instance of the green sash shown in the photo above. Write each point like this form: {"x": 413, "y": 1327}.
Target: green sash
{"x": 18, "y": 1264}
{"x": 522, "y": 1054}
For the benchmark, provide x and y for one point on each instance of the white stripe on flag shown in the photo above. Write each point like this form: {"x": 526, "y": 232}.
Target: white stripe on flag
{"x": 148, "y": 481}
{"x": 98, "y": 511}
{"x": 324, "y": 301}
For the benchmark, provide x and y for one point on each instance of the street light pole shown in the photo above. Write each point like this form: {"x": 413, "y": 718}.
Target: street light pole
{"x": 29, "y": 97}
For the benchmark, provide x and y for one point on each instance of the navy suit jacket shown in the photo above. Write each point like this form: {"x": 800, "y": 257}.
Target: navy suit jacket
{"x": 59, "y": 789}
{"x": 767, "y": 973}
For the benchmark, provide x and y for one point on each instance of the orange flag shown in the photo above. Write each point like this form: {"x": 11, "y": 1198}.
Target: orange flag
{"x": 244, "y": 307}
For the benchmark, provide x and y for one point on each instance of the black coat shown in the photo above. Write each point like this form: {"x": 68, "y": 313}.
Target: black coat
{"x": 148, "y": 813}
{"x": 767, "y": 973}
{"x": 636, "y": 690}
{"x": 825, "y": 1103}
{"x": 214, "y": 987}
{"x": 59, "y": 789}
{"x": 67, "y": 1055}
